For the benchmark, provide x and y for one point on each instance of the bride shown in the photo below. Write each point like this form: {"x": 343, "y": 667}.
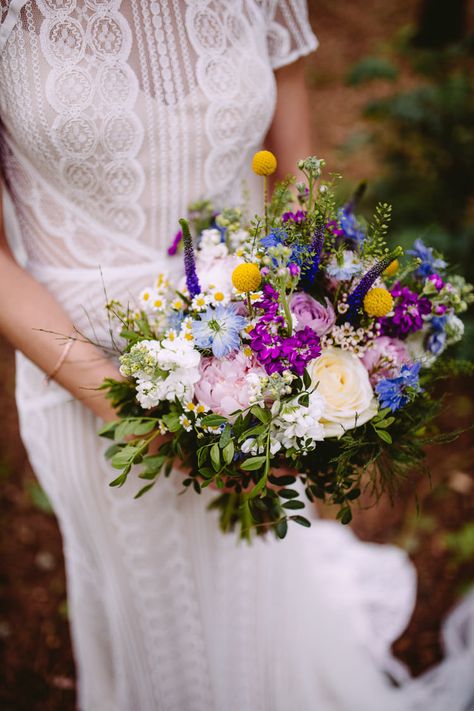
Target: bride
{"x": 115, "y": 115}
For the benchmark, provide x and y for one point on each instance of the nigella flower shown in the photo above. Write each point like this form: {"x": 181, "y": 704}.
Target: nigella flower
{"x": 347, "y": 225}
{"x": 343, "y": 267}
{"x": 398, "y": 392}
{"x": 430, "y": 263}
{"x": 192, "y": 281}
{"x": 409, "y": 310}
{"x": 219, "y": 330}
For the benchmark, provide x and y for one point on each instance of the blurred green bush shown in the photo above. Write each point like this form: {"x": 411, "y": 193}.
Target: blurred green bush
{"x": 422, "y": 134}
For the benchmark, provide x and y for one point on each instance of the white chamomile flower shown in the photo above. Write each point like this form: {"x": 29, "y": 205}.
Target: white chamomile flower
{"x": 186, "y": 422}
{"x": 158, "y": 302}
{"x": 218, "y": 297}
{"x": 200, "y": 302}
{"x": 146, "y": 297}
{"x": 177, "y": 304}
{"x": 255, "y": 296}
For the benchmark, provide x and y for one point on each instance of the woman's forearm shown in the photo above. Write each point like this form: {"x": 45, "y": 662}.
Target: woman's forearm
{"x": 290, "y": 133}
{"x": 25, "y": 307}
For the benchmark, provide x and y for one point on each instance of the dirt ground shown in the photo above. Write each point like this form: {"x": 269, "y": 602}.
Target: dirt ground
{"x": 431, "y": 519}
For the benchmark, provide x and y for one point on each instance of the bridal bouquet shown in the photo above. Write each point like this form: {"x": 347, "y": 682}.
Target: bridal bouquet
{"x": 297, "y": 357}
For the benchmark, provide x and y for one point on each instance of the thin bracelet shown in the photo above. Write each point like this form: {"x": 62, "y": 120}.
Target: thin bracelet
{"x": 61, "y": 358}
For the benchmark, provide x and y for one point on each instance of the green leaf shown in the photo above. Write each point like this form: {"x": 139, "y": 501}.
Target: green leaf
{"x": 258, "y": 488}
{"x": 384, "y": 436}
{"x": 293, "y": 505}
{"x": 213, "y": 420}
{"x": 301, "y": 520}
{"x": 288, "y": 494}
{"x": 261, "y": 414}
{"x": 345, "y": 515}
{"x": 353, "y": 494}
{"x": 281, "y": 528}
{"x": 172, "y": 422}
{"x": 143, "y": 490}
{"x": 385, "y": 423}
{"x": 154, "y": 462}
{"x": 125, "y": 428}
{"x": 202, "y": 454}
{"x": 144, "y": 427}
{"x": 124, "y": 457}
{"x": 225, "y": 437}
{"x": 108, "y": 430}
{"x": 303, "y": 400}
{"x": 253, "y": 432}
{"x": 228, "y": 452}
{"x": 216, "y": 457}
{"x": 120, "y": 480}
{"x": 306, "y": 379}
{"x": 112, "y": 450}
{"x": 285, "y": 480}
{"x": 253, "y": 463}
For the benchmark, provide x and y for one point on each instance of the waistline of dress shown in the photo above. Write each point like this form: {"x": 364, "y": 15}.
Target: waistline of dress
{"x": 45, "y": 273}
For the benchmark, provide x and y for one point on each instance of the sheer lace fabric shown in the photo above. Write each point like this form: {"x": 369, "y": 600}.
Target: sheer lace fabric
{"x": 114, "y": 117}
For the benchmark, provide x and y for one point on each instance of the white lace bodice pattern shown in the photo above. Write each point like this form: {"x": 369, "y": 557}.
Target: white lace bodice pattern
{"x": 116, "y": 115}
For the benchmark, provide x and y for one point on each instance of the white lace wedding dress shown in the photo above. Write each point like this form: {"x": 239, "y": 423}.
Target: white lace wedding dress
{"x": 115, "y": 115}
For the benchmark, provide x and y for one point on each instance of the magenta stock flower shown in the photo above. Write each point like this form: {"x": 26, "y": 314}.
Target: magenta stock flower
{"x": 408, "y": 315}
{"x": 310, "y": 312}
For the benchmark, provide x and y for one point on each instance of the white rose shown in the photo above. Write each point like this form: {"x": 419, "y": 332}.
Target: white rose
{"x": 344, "y": 384}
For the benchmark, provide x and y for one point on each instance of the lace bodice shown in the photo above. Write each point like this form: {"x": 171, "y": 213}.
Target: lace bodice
{"x": 115, "y": 115}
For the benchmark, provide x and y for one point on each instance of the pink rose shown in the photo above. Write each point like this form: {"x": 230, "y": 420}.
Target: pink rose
{"x": 385, "y": 358}
{"x": 310, "y": 312}
{"x": 224, "y": 386}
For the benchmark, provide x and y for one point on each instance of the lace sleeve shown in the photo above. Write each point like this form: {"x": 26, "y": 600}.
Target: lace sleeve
{"x": 289, "y": 34}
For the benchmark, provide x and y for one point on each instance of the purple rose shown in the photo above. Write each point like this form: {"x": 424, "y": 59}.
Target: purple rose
{"x": 310, "y": 312}
{"x": 385, "y": 358}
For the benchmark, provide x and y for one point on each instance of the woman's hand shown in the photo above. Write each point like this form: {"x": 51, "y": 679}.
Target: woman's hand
{"x": 26, "y": 306}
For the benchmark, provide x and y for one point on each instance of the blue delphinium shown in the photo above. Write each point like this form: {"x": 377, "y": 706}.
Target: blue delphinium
{"x": 397, "y": 392}
{"x": 276, "y": 236}
{"x": 350, "y": 225}
{"x": 219, "y": 330}
{"x": 430, "y": 263}
{"x": 436, "y": 340}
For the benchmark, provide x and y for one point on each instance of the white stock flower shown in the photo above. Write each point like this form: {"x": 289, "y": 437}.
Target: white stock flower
{"x": 344, "y": 384}
{"x": 299, "y": 426}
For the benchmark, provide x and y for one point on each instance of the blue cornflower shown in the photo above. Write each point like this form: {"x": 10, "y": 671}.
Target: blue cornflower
{"x": 397, "y": 392}
{"x": 430, "y": 263}
{"x": 219, "y": 329}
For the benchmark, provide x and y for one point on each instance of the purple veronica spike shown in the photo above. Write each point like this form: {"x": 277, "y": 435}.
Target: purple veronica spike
{"x": 192, "y": 281}
{"x": 356, "y": 299}
{"x": 316, "y": 248}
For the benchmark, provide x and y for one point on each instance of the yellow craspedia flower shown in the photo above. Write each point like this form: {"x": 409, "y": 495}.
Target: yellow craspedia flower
{"x": 264, "y": 163}
{"x": 392, "y": 268}
{"x": 378, "y": 302}
{"x": 246, "y": 277}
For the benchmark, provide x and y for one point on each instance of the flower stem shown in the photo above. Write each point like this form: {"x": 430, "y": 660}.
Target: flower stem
{"x": 265, "y": 201}
{"x": 286, "y": 309}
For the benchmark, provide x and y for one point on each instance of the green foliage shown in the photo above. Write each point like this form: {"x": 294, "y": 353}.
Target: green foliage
{"x": 371, "y": 69}
{"x": 423, "y": 138}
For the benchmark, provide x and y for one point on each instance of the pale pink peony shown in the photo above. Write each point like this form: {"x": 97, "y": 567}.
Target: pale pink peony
{"x": 224, "y": 385}
{"x": 385, "y": 358}
{"x": 310, "y": 312}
